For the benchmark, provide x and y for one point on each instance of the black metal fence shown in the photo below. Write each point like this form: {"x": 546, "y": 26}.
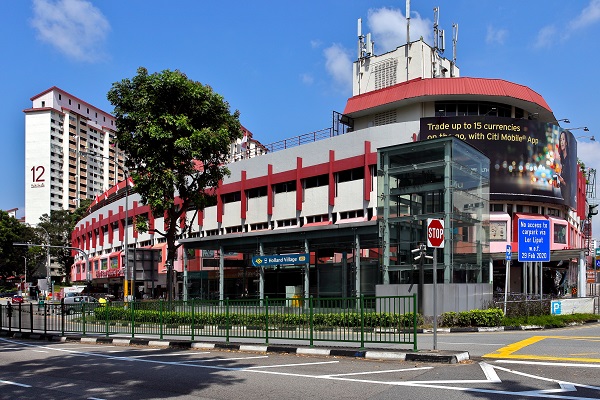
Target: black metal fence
{"x": 389, "y": 319}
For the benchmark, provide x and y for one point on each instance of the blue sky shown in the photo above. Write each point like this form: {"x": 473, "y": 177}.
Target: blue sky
{"x": 284, "y": 65}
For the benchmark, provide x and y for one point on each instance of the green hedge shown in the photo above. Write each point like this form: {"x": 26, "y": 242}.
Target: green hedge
{"x": 352, "y": 319}
{"x": 489, "y": 317}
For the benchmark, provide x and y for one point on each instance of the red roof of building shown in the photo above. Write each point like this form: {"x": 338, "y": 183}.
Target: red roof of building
{"x": 443, "y": 87}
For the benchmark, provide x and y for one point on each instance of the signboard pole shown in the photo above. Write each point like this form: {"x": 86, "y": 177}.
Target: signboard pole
{"x": 507, "y": 274}
{"x": 434, "y": 299}
{"x": 435, "y": 239}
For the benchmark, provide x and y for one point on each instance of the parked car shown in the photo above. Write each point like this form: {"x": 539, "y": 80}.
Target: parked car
{"x": 17, "y": 299}
{"x": 75, "y": 304}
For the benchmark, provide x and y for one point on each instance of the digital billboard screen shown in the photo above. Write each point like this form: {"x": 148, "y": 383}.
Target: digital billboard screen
{"x": 529, "y": 160}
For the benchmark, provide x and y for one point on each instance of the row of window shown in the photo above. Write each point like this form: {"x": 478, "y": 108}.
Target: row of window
{"x": 527, "y": 209}
{"x": 290, "y": 186}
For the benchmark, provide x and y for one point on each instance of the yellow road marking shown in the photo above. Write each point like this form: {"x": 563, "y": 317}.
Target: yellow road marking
{"x": 508, "y": 351}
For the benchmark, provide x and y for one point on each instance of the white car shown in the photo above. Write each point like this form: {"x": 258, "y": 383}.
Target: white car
{"x": 74, "y": 304}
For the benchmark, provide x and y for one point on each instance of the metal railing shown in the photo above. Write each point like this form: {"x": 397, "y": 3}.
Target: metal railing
{"x": 389, "y": 319}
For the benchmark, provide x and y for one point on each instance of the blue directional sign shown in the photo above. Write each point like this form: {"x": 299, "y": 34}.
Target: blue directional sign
{"x": 281, "y": 259}
{"x": 508, "y": 252}
{"x": 597, "y": 263}
{"x": 534, "y": 240}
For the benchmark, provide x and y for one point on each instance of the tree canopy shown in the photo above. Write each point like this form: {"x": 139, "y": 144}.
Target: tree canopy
{"x": 176, "y": 134}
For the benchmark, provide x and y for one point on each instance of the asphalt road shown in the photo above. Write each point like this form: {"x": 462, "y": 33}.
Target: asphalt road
{"x": 556, "y": 364}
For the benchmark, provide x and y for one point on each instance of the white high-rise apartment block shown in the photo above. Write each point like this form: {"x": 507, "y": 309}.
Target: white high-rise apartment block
{"x": 69, "y": 153}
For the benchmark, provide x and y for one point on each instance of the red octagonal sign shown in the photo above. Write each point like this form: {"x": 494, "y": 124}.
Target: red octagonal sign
{"x": 435, "y": 232}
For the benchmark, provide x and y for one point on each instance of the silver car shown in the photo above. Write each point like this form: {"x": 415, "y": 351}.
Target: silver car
{"x": 75, "y": 304}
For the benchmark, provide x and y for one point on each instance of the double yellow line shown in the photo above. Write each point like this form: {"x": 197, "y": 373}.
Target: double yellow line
{"x": 509, "y": 351}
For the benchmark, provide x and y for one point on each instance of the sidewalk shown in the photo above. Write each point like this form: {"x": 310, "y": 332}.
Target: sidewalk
{"x": 335, "y": 350}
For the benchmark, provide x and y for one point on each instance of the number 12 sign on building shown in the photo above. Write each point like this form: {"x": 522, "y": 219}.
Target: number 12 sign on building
{"x": 534, "y": 240}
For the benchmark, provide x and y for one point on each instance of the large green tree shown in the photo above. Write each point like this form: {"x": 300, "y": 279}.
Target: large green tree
{"x": 176, "y": 134}
{"x": 12, "y": 262}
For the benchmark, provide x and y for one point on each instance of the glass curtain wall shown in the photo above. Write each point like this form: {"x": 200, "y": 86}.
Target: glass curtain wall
{"x": 444, "y": 179}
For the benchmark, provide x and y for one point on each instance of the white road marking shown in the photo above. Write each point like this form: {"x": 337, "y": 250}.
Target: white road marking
{"x": 289, "y": 365}
{"x": 490, "y": 377}
{"x": 223, "y": 359}
{"x": 14, "y": 383}
{"x": 478, "y": 344}
{"x": 549, "y": 364}
{"x": 165, "y": 355}
{"x": 377, "y": 372}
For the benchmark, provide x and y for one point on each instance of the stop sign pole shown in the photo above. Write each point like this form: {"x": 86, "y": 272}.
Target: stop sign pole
{"x": 435, "y": 239}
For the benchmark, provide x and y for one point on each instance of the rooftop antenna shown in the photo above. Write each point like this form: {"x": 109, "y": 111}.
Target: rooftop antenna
{"x": 406, "y": 52}
{"x": 360, "y": 39}
{"x": 436, "y": 15}
{"x": 454, "y": 41}
{"x": 407, "y": 21}
{"x": 436, "y": 39}
{"x": 365, "y": 44}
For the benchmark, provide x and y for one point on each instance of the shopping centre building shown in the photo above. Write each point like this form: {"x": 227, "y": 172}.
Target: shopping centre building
{"x": 349, "y": 204}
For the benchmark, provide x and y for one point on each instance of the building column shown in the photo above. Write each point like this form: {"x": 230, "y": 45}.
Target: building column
{"x": 581, "y": 276}
{"x": 357, "y": 265}
{"x": 306, "y": 270}
{"x": 261, "y": 275}
{"x": 386, "y": 221}
{"x": 221, "y": 273}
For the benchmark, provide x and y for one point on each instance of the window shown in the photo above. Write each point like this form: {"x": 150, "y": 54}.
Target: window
{"x": 315, "y": 181}
{"x": 69, "y": 101}
{"x": 352, "y": 214}
{"x": 59, "y": 96}
{"x": 256, "y": 192}
{"x": 553, "y": 212}
{"x": 497, "y": 207}
{"x": 287, "y": 222}
{"x": 259, "y": 226}
{"x": 231, "y": 197}
{"x": 284, "y": 187}
{"x": 234, "y": 229}
{"x": 560, "y": 233}
{"x": 311, "y": 219}
{"x": 43, "y": 104}
{"x": 351, "y": 175}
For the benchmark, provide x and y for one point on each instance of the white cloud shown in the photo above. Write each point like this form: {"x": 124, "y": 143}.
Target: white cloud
{"x": 587, "y": 17}
{"x": 74, "y": 27}
{"x": 495, "y": 36}
{"x": 388, "y": 27}
{"x": 315, "y": 44}
{"x": 307, "y": 79}
{"x": 339, "y": 65}
{"x": 545, "y": 37}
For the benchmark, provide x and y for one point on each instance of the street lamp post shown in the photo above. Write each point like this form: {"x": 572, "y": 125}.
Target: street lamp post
{"x": 48, "y": 277}
{"x": 25, "y": 259}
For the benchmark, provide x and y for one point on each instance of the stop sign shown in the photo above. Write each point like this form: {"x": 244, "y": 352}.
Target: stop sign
{"x": 435, "y": 232}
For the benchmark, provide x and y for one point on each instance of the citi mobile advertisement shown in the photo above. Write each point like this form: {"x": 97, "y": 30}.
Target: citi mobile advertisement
{"x": 528, "y": 159}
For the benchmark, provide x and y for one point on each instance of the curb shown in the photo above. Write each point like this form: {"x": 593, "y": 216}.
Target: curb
{"x": 447, "y": 357}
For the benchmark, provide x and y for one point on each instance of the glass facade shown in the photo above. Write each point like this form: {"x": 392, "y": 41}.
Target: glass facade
{"x": 444, "y": 179}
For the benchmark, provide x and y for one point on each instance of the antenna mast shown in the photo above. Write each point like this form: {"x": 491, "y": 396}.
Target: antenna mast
{"x": 436, "y": 37}
{"x": 406, "y": 50}
{"x": 454, "y": 41}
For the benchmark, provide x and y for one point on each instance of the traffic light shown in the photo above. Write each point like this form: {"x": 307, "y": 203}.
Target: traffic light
{"x": 591, "y": 210}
